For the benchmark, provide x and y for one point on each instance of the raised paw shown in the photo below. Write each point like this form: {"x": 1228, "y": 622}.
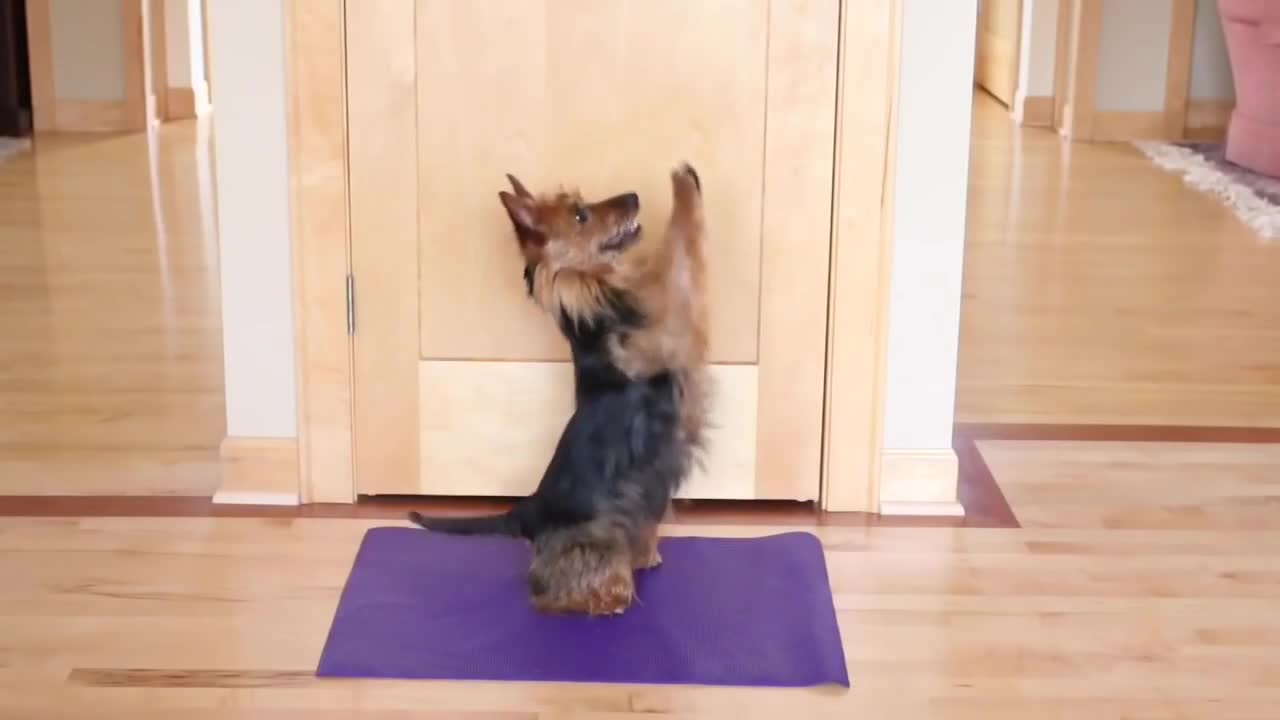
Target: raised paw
{"x": 684, "y": 174}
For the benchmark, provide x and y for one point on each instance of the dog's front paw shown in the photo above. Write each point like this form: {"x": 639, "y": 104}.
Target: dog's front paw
{"x": 685, "y": 176}
{"x": 686, "y": 189}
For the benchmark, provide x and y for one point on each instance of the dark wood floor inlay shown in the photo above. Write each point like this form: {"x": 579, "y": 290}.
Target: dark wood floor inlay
{"x": 978, "y": 491}
{"x": 1120, "y": 433}
{"x": 181, "y": 678}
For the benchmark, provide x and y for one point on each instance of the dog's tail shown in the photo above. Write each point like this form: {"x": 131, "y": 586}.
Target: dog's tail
{"x": 508, "y": 523}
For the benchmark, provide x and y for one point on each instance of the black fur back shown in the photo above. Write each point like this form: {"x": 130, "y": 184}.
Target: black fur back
{"x": 621, "y": 453}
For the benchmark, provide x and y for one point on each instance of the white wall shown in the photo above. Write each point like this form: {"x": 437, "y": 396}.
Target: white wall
{"x": 935, "y": 112}
{"x": 1124, "y": 72}
{"x": 1037, "y": 48}
{"x": 184, "y": 56}
{"x": 88, "y": 50}
{"x": 251, "y": 167}
{"x": 1133, "y": 55}
{"x": 1210, "y": 66}
{"x": 935, "y": 109}
{"x": 195, "y": 29}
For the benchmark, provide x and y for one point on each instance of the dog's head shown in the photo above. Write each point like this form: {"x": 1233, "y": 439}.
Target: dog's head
{"x": 565, "y": 232}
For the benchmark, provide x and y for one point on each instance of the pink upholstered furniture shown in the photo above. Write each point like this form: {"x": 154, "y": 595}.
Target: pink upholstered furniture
{"x": 1252, "y": 29}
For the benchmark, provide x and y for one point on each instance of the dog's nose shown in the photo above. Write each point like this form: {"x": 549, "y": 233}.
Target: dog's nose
{"x": 631, "y": 202}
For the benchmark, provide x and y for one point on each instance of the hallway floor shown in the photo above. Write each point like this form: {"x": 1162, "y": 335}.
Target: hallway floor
{"x": 1119, "y": 311}
{"x": 111, "y": 365}
{"x": 1100, "y": 289}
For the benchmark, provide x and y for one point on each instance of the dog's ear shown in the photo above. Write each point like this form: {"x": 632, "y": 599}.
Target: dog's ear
{"x": 520, "y": 210}
{"x": 519, "y": 187}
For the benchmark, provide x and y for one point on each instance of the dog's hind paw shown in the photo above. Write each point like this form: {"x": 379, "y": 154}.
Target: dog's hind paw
{"x": 650, "y": 561}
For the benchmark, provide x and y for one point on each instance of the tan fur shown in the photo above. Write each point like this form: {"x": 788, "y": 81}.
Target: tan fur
{"x": 573, "y": 275}
{"x": 578, "y": 294}
{"x": 586, "y": 569}
{"x": 574, "y": 267}
{"x": 671, "y": 287}
{"x": 590, "y": 568}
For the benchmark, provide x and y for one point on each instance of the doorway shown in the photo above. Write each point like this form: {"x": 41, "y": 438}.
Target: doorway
{"x": 111, "y": 374}
{"x": 15, "y": 71}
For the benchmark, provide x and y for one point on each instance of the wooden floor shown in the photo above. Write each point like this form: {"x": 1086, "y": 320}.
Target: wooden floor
{"x": 1100, "y": 289}
{"x": 111, "y": 363}
{"x": 1102, "y": 607}
{"x": 1143, "y": 583}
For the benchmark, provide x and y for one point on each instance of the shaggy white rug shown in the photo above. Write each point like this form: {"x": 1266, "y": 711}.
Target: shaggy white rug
{"x": 1254, "y": 198}
{"x": 10, "y": 146}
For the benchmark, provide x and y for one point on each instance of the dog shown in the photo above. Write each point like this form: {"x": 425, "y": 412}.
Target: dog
{"x": 637, "y": 329}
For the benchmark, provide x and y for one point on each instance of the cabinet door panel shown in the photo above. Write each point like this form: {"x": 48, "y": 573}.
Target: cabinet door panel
{"x": 604, "y": 95}
{"x": 446, "y": 96}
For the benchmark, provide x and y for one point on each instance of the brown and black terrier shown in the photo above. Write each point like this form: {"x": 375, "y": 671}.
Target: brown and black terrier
{"x": 637, "y": 328}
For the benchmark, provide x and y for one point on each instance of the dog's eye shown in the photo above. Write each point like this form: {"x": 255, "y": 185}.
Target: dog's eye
{"x": 580, "y": 214}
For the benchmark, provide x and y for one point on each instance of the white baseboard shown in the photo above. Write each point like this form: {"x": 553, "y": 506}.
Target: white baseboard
{"x": 919, "y": 482}
{"x": 258, "y": 471}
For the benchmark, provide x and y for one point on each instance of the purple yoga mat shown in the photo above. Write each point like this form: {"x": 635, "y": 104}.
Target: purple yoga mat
{"x": 718, "y": 611}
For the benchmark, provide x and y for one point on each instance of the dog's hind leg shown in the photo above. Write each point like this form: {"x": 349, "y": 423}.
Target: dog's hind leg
{"x": 583, "y": 569}
{"x": 646, "y": 556}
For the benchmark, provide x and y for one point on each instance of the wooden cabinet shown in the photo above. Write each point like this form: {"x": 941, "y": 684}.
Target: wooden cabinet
{"x": 999, "y": 37}
{"x": 460, "y": 385}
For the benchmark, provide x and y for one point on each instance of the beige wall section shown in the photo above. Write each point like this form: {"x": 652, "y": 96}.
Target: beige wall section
{"x": 155, "y": 42}
{"x": 935, "y": 105}
{"x": 1210, "y": 66}
{"x": 253, "y": 214}
{"x": 1143, "y": 69}
{"x": 88, "y": 50}
{"x": 186, "y": 92}
{"x": 251, "y": 168}
{"x": 1038, "y": 47}
{"x": 177, "y": 33}
{"x": 1133, "y": 55}
{"x": 184, "y": 43}
{"x": 1037, "y": 63}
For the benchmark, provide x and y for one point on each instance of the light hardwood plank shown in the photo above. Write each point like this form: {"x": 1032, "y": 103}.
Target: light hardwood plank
{"x": 225, "y": 618}
{"x": 111, "y": 364}
{"x": 1139, "y": 486}
{"x": 1101, "y": 289}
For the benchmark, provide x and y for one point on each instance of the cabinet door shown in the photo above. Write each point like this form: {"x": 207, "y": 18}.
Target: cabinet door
{"x": 462, "y": 385}
{"x": 999, "y": 36}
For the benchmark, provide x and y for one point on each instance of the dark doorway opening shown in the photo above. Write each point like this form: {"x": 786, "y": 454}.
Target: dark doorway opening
{"x": 15, "y": 70}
